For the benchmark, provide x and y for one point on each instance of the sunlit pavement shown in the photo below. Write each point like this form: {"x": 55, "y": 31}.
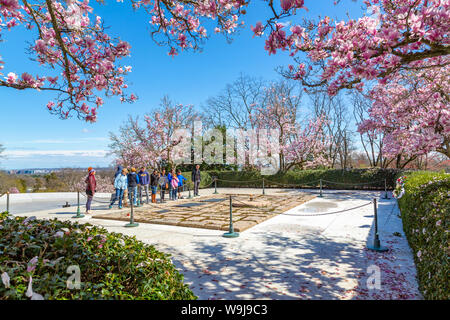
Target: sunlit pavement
{"x": 289, "y": 256}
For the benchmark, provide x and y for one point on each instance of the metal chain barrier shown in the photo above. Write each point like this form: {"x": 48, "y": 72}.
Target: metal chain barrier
{"x": 305, "y": 215}
{"x": 354, "y": 184}
{"x": 240, "y": 181}
{"x": 98, "y": 201}
{"x": 292, "y": 184}
{"x": 204, "y": 187}
{"x": 256, "y": 180}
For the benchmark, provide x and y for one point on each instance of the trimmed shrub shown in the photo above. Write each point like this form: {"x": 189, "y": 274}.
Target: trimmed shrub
{"x": 205, "y": 181}
{"x": 112, "y": 265}
{"x": 369, "y": 179}
{"x": 425, "y": 211}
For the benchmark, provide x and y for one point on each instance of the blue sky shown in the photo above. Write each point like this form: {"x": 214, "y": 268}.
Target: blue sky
{"x": 36, "y": 139}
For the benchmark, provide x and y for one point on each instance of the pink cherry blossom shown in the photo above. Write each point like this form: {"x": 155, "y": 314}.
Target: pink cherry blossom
{"x": 75, "y": 46}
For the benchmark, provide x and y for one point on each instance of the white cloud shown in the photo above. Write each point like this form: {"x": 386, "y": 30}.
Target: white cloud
{"x": 61, "y": 141}
{"x": 54, "y": 153}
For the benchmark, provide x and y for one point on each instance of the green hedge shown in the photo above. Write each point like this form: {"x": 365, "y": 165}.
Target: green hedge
{"x": 205, "y": 181}
{"x": 370, "y": 179}
{"x": 425, "y": 211}
{"x": 112, "y": 265}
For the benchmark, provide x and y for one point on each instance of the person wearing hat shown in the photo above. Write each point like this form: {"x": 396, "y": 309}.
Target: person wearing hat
{"x": 133, "y": 181}
{"x": 91, "y": 188}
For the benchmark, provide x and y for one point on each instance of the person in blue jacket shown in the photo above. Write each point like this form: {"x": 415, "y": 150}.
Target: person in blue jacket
{"x": 118, "y": 171}
{"x": 133, "y": 182}
{"x": 144, "y": 181}
{"x": 181, "y": 178}
{"x": 120, "y": 184}
{"x": 169, "y": 178}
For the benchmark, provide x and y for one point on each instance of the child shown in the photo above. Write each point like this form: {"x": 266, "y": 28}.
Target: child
{"x": 174, "y": 185}
{"x": 180, "y": 183}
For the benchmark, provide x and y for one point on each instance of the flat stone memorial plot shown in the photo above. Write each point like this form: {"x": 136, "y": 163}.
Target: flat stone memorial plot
{"x": 213, "y": 211}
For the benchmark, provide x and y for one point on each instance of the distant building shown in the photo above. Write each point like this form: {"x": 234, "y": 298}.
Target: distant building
{"x": 48, "y": 170}
{"x": 32, "y": 171}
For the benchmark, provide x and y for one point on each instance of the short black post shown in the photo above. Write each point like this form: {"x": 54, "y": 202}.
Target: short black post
{"x": 7, "y": 201}
{"x": 132, "y": 223}
{"x": 385, "y": 190}
{"x": 376, "y": 239}
{"x": 231, "y": 233}
{"x": 139, "y": 197}
{"x": 78, "y": 215}
{"x": 215, "y": 185}
{"x": 264, "y": 190}
{"x": 189, "y": 189}
{"x": 320, "y": 194}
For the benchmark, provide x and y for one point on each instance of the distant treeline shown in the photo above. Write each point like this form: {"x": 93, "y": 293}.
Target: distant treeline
{"x": 64, "y": 180}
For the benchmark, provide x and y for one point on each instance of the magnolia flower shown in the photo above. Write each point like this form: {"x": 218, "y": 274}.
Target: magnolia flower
{"x": 5, "y": 279}
{"x": 30, "y": 293}
{"x": 173, "y": 52}
{"x": 32, "y": 264}
{"x": 286, "y": 4}
{"x": 32, "y": 218}
{"x": 59, "y": 234}
{"x": 12, "y": 78}
{"x": 257, "y": 29}
{"x": 50, "y": 105}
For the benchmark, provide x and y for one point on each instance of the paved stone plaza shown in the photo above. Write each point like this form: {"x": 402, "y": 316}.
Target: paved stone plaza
{"x": 213, "y": 211}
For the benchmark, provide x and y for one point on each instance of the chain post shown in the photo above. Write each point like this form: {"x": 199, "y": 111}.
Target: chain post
{"x": 376, "y": 240}
{"x": 189, "y": 189}
{"x": 385, "y": 190}
{"x": 78, "y": 215}
{"x": 231, "y": 233}
{"x": 139, "y": 197}
{"x": 215, "y": 185}
{"x": 132, "y": 223}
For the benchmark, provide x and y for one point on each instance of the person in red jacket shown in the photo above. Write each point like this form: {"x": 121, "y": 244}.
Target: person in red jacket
{"x": 91, "y": 188}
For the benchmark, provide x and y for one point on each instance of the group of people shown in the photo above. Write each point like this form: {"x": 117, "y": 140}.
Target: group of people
{"x": 129, "y": 183}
